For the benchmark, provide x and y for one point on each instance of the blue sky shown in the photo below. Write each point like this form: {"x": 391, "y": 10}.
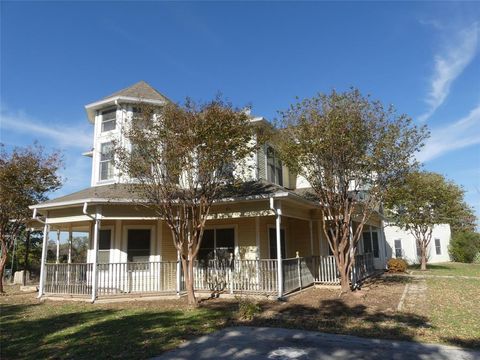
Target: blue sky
{"x": 422, "y": 57}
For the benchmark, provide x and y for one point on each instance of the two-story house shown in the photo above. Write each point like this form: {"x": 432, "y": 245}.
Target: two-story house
{"x": 269, "y": 231}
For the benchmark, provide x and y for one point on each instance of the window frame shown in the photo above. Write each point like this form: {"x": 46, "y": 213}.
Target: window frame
{"x": 151, "y": 241}
{"x": 221, "y": 227}
{"x": 395, "y": 248}
{"x": 438, "y": 247}
{"x": 276, "y": 164}
{"x": 282, "y": 228}
{"x": 104, "y": 121}
{"x": 111, "y": 229}
{"x": 108, "y": 162}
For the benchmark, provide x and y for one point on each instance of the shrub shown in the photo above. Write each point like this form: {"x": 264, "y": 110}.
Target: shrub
{"x": 248, "y": 308}
{"x": 397, "y": 265}
{"x": 464, "y": 246}
{"x": 476, "y": 260}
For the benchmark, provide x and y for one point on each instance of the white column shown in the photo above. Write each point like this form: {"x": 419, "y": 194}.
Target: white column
{"x": 310, "y": 224}
{"x": 57, "y": 260}
{"x": 278, "y": 222}
{"x": 42, "y": 262}
{"x": 257, "y": 235}
{"x": 96, "y": 230}
{"x": 70, "y": 240}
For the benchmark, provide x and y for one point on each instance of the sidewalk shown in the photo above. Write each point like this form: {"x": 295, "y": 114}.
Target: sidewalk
{"x": 282, "y": 344}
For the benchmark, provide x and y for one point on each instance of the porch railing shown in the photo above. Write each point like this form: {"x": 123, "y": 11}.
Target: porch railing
{"x": 233, "y": 276}
{"x": 73, "y": 279}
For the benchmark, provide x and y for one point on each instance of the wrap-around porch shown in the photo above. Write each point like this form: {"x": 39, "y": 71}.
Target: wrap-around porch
{"x": 269, "y": 247}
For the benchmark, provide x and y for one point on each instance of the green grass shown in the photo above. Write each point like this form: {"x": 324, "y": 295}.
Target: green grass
{"x": 454, "y": 311}
{"x": 85, "y": 331}
{"x": 451, "y": 269}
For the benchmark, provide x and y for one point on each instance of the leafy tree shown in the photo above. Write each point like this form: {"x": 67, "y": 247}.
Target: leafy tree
{"x": 423, "y": 200}
{"x": 181, "y": 156}
{"x": 464, "y": 246}
{"x": 350, "y": 149}
{"x": 26, "y": 176}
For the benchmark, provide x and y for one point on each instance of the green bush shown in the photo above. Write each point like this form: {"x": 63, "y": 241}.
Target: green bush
{"x": 464, "y": 246}
{"x": 397, "y": 265}
{"x": 248, "y": 308}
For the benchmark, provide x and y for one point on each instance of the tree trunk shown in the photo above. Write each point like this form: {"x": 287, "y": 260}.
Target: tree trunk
{"x": 423, "y": 261}
{"x": 344, "y": 278}
{"x": 27, "y": 251}
{"x": 189, "y": 280}
{"x": 3, "y": 261}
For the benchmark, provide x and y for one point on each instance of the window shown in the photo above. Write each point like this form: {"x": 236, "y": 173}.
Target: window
{"x": 438, "y": 248}
{"x": 398, "y": 248}
{"x": 367, "y": 242}
{"x": 104, "y": 241}
{"x": 217, "y": 244}
{"x": 274, "y": 167}
{"x": 272, "y": 232}
{"x": 376, "y": 251}
{"x": 138, "y": 247}
{"x": 109, "y": 118}
{"x": 106, "y": 161}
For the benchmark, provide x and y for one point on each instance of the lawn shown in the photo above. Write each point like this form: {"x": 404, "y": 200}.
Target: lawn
{"x": 142, "y": 329}
{"x": 450, "y": 268}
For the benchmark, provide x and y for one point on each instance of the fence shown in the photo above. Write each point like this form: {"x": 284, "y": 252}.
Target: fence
{"x": 73, "y": 279}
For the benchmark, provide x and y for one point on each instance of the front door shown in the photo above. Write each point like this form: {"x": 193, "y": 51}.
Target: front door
{"x": 371, "y": 245}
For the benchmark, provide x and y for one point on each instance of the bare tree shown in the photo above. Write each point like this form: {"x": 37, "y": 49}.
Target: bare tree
{"x": 350, "y": 149}
{"x": 179, "y": 158}
{"x": 27, "y": 175}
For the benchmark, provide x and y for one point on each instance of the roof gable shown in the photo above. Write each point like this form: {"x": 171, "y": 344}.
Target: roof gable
{"x": 140, "y": 90}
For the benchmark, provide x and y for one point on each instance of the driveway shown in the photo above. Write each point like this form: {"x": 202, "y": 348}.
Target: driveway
{"x": 283, "y": 344}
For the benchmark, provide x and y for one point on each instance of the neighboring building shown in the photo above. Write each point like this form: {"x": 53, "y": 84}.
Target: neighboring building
{"x": 402, "y": 244}
{"x": 270, "y": 215}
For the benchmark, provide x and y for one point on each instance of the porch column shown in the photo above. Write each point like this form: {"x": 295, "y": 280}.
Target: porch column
{"x": 70, "y": 240}
{"x": 96, "y": 230}
{"x": 57, "y": 258}
{"x": 41, "y": 286}
{"x": 310, "y": 225}
{"x": 278, "y": 222}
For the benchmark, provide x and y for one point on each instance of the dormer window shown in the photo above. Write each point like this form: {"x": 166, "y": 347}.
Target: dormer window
{"x": 274, "y": 167}
{"x": 109, "y": 119}
{"x": 106, "y": 161}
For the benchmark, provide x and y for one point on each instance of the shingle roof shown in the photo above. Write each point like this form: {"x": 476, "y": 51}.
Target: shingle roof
{"x": 118, "y": 192}
{"x": 140, "y": 90}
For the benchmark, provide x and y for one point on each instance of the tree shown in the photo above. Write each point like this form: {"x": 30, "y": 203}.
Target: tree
{"x": 181, "y": 156}
{"x": 26, "y": 176}
{"x": 421, "y": 201}
{"x": 464, "y": 246}
{"x": 350, "y": 149}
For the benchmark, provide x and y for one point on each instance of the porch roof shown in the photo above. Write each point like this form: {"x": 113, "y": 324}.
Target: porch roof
{"x": 126, "y": 194}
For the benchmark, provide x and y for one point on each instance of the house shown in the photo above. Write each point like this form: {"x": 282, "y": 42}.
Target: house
{"x": 266, "y": 238}
{"x": 402, "y": 244}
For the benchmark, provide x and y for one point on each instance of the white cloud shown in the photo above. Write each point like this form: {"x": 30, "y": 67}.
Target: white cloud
{"x": 462, "y": 133}
{"x": 64, "y": 135}
{"x": 450, "y": 64}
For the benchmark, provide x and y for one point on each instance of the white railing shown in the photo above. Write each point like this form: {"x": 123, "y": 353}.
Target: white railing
{"x": 71, "y": 279}
{"x": 325, "y": 270}
{"x": 233, "y": 276}
{"x": 138, "y": 277}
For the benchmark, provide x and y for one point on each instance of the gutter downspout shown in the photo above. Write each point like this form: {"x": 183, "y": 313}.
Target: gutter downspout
{"x": 278, "y": 221}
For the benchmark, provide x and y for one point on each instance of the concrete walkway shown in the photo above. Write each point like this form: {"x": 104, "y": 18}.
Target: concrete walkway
{"x": 285, "y": 344}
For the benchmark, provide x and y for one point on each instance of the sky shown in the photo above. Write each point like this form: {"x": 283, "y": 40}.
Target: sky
{"x": 422, "y": 57}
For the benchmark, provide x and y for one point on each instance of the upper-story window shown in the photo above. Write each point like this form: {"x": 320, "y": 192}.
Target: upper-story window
{"x": 274, "y": 167}
{"x": 109, "y": 119}
{"x": 106, "y": 161}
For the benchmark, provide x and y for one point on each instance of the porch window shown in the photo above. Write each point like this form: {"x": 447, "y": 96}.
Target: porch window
{"x": 272, "y": 235}
{"x": 438, "y": 248}
{"x": 138, "y": 247}
{"x": 376, "y": 249}
{"x": 274, "y": 167}
{"x": 109, "y": 118}
{"x": 367, "y": 242}
{"x": 104, "y": 246}
{"x": 370, "y": 243}
{"x": 106, "y": 161}
{"x": 398, "y": 248}
{"x": 217, "y": 244}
